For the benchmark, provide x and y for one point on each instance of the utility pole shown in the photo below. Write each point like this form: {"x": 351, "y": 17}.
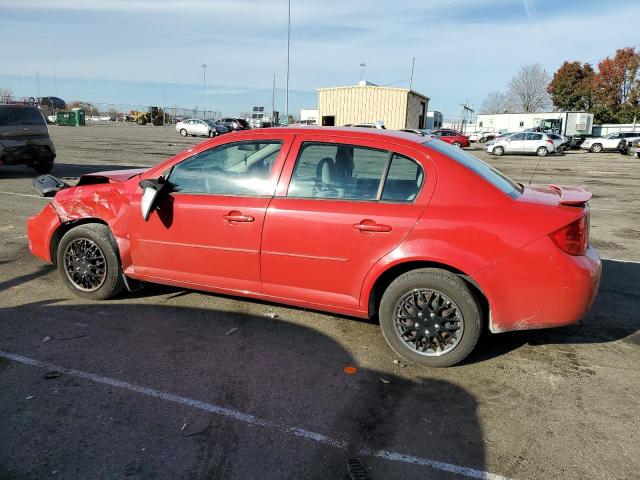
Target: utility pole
{"x": 273, "y": 101}
{"x": 38, "y": 84}
{"x": 362, "y": 65}
{"x": 413, "y": 64}
{"x": 204, "y": 90}
{"x": 286, "y": 98}
{"x": 55, "y": 79}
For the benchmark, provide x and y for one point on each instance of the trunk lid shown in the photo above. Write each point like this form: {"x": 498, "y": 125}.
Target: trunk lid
{"x": 556, "y": 195}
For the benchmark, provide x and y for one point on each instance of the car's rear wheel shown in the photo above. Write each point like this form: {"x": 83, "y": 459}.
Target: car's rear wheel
{"x": 88, "y": 262}
{"x": 212, "y": 134}
{"x": 482, "y": 140}
{"x": 43, "y": 165}
{"x": 596, "y": 148}
{"x": 457, "y": 144}
{"x": 430, "y": 317}
{"x": 499, "y": 151}
{"x": 183, "y": 132}
{"x": 542, "y": 151}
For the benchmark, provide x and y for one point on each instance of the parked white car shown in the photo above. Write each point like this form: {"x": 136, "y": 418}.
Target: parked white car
{"x": 613, "y": 141}
{"x": 522, "y": 143}
{"x": 634, "y": 148}
{"x": 194, "y": 126}
{"x": 559, "y": 141}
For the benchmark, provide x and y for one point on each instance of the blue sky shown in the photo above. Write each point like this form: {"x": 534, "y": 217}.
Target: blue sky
{"x": 150, "y": 51}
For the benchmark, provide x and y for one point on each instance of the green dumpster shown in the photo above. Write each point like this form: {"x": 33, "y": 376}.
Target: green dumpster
{"x": 71, "y": 118}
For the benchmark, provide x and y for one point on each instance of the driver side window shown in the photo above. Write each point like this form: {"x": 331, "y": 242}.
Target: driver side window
{"x": 241, "y": 168}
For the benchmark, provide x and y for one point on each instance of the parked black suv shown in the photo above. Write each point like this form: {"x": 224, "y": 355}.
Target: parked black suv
{"x": 24, "y": 138}
{"x": 234, "y": 123}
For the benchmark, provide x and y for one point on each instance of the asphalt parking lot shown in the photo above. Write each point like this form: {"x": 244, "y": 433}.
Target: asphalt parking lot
{"x": 168, "y": 383}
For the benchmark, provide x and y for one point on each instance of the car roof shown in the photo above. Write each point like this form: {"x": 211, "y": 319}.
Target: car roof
{"x": 17, "y": 105}
{"x": 356, "y": 132}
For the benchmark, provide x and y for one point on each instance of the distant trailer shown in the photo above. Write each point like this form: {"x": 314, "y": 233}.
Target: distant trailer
{"x": 565, "y": 123}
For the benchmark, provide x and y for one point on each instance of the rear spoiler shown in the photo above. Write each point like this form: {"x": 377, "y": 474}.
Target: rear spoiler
{"x": 572, "y": 195}
{"x": 48, "y": 185}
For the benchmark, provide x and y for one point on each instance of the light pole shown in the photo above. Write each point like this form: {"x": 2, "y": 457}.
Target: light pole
{"x": 362, "y": 65}
{"x": 286, "y": 95}
{"x": 204, "y": 90}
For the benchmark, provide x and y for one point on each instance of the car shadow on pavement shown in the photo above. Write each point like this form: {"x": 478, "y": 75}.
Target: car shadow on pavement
{"x": 62, "y": 170}
{"x": 12, "y": 282}
{"x": 281, "y": 371}
{"x": 615, "y": 315}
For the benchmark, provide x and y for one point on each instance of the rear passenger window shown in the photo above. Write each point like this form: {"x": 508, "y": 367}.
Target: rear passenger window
{"x": 403, "y": 181}
{"x": 338, "y": 171}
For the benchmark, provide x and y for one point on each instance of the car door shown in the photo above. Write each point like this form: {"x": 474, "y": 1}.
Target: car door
{"x": 334, "y": 217}
{"x": 532, "y": 142}
{"x": 207, "y": 230}
{"x": 612, "y": 141}
{"x": 515, "y": 143}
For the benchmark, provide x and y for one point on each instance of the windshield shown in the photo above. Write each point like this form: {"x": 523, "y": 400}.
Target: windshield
{"x": 486, "y": 171}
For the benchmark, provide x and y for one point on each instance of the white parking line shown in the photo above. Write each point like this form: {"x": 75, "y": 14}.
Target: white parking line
{"x": 253, "y": 420}
{"x": 14, "y": 194}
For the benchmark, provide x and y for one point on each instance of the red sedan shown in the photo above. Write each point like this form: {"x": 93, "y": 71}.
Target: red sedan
{"x": 452, "y": 137}
{"x": 434, "y": 242}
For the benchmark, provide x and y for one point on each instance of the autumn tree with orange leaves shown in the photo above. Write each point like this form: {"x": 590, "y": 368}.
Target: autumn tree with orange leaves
{"x": 612, "y": 93}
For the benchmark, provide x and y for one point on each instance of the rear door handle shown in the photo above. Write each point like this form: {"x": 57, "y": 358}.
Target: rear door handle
{"x": 371, "y": 226}
{"x": 235, "y": 216}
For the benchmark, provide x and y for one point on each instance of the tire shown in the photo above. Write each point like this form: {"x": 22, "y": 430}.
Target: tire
{"x": 542, "y": 151}
{"x": 43, "y": 165}
{"x": 482, "y": 140}
{"x": 98, "y": 238}
{"x": 211, "y": 134}
{"x": 183, "y": 132}
{"x": 449, "y": 288}
{"x": 498, "y": 151}
{"x": 596, "y": 148}
{"x": 457, "y": 144}
{"x": 560, "y": 150}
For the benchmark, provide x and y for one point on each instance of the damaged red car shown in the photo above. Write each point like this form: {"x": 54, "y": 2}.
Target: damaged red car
{"x": 433, "y": 242}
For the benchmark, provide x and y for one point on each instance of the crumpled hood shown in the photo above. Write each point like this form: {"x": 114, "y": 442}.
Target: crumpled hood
{"x": 111, "y": 176}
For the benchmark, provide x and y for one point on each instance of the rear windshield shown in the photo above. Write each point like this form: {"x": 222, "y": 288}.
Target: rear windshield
{"x": 11, "y": 116}
{"x": 486, "y": 171}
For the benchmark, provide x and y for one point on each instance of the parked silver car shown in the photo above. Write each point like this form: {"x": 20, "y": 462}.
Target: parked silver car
{"x": 194, "y": 126}
{"x": 522, "y": 143}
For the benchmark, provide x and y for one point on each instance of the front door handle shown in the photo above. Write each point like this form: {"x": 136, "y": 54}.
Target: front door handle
{"x": 236, "y": 216}
{"x": 371, "y": 226}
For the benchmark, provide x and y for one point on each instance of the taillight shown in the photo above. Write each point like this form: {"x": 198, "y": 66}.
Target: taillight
{"x": 574, "y": 238}
{"x": 550, "y": 141}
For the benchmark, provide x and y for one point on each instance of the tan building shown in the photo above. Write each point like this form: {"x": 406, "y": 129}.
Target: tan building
{"x": 368, "y": 103}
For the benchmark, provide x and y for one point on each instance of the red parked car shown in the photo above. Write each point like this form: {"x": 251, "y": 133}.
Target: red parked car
{"x": 434, "y": 242}
{"x": 452, "y": 137}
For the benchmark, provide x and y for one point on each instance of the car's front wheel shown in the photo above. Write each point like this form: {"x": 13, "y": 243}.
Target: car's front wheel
{"x": 596, "y": 148}
{"x": 430, "y": 317}
{"x": 542, "y": 151}
{"x": 499, "y": 151}
{"x": 457, "y": 144}
{"x": 212, "y": 133}
{"x": 88, "y": 262}
{"x": 183, "y": 132}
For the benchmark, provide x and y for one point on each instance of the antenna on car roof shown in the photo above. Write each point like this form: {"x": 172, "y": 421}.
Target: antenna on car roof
{"x": 535, "y": 170}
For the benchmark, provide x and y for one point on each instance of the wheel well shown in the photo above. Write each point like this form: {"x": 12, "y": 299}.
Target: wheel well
{"x": 394, "y": 272}
{"x": 64, "y": 228}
